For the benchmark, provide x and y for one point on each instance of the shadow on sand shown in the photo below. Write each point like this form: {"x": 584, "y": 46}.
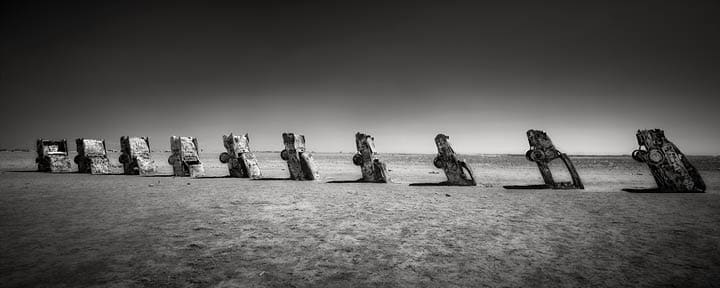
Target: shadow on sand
{"x": 159, "y": 175}
{"x": 70, "y": 172}
{"x": 355, "y": 181}
{"x": 439, "y": 184}
{"x": 271, "y": 179}
{"x": 212, "y": 177}
{"x": 655, "y": 190}
{"x": 528, "y": 187}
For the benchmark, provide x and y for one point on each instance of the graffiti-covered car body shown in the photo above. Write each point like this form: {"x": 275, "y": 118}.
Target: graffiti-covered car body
{"x": 300, "y": 162}
{"x": 185, "y": 158}
{"x": 240, "y": 160}
{"x": 372, "y": 169}
{"x": 671, "y": 169}
{"x": 135, "y": 156}
{"x": 52, "y": 156}
{"x": 92, "y": 156}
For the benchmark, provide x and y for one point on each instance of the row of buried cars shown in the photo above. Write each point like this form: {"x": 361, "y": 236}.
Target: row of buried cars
{"x": 53, "y": 156}
{"x": 670, "y": 168}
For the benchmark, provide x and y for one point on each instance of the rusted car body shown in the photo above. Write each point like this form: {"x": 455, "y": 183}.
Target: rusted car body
{"x": 52, "y": 156}
{"x": 300, "y": 162}
{"x": 671, "y": 169}
{"x": 542, "y": 151}
{"x": 92, "y": 156}
{"x": 185, "y": 158}
{"x": 135, "y": 156}
{"x": 373, "y": 170}
{"x": 240, "y": 160}
{"x": 457, "y": 171}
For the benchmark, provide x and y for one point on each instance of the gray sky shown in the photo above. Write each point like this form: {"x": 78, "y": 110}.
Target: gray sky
{"x": 483, "y": 73}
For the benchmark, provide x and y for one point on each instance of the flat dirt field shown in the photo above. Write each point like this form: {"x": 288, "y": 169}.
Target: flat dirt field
{"x": 67, "y": 230}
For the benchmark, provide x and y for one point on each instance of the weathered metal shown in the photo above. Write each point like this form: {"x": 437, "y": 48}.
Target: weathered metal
{"x": 240, "y": 160}
{"x": 366, "y": 157}
{"x": 92, "y": 156}
{"x": 542, "y": 151}
{"x": 300, "y": 162}
{"x": 52, "y": 156}
{"x": 670, "y": 167}
{"x": 185, "y": 157}
{"x": 457, "y": 171}
{"x": 135, "y": 156}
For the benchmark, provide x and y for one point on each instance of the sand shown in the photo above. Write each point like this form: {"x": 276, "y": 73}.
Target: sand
{"x": 74, "y": 229}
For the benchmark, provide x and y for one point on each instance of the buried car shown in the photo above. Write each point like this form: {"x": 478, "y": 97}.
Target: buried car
{"x": 240, "y": 160}
{"x": 92, "y": 156}
{"x": 52, "y": 156}
{"x": 135, "y": 156}
{"x": 185, "y": 157}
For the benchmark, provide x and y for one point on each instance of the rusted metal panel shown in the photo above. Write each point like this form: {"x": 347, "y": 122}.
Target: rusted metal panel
{"x": 670, "y": 167}
{"x": 373, "y": 170}
{"x": 52, "y": 156}
{"x": 92, "y": 156}
{"x": 542, "y": 151}
{"x": 240, "y": 160}
{"x": 457, "y": 171}
{"x": 300, "y": 163}
{"x": 185, "y": 157}
{"x": 135, "y": 156}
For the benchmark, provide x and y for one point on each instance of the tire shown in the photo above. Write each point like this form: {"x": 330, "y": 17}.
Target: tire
{"x": 224, "y": 157}
{"x": 437, "y": 162}
{"x": 537, "y": 155}
{"x": 639, "y": 155}
{"x": 284, "y": 155}
{"x": 124, "y": 159}
{"x": 77, "y": 159}
{"x": 172, "y": 159}
{"x": 357, "y": 159}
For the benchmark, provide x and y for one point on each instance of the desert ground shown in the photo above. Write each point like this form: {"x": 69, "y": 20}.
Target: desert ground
{"x": 69, "y": 230}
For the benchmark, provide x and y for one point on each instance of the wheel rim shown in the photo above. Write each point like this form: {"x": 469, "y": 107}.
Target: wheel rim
{"x": 655, "y": 156}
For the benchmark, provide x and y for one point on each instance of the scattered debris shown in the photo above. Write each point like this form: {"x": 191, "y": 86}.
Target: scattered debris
{"x": 196, "y": 246}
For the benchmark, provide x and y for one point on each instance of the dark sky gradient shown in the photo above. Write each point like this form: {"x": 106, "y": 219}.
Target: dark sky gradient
{"x": 483, "y": 73}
